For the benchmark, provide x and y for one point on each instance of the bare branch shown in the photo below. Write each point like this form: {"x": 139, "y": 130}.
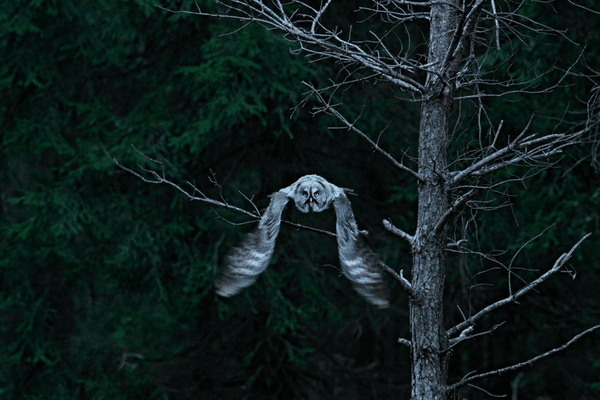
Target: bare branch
{"x": 309, "y": 228}
{"x": 462, "y": 37}
{"x": 387, "y": 224}
{"x": 158, "y": 179}
{"x": 251, "y": 202}
{"x": 585, "y": 8}
{"x": 560, "y": 262}
{"x": 510, "y": 267}
{"x": 471, "y": 378}
{"x": 463, "y": 336}
{"x": 404, "y": 283}
{"x": 496, "y": 25}
{"x": 478, "y": 166}
{"x": 466, "y": 334}
{"x": 489, "y": 257}
{"x": 318, "y": 16}
{"x": 455, "y": 207}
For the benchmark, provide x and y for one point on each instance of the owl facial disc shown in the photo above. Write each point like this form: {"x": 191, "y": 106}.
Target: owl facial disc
{"x": 312, "y": 194}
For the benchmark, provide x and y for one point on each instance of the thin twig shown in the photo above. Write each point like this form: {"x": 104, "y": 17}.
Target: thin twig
{"x": 398, "y": 278}
{"x": 387, "y": 224}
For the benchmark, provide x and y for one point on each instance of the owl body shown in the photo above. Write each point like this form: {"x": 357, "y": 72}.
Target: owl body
{"x": 310, "y": 193}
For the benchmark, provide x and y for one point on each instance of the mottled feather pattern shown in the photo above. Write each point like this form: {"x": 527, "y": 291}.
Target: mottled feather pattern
{"x": 310, "y": 193}
{"x": 358, "y": 262}
{"x": 252, "y": 256}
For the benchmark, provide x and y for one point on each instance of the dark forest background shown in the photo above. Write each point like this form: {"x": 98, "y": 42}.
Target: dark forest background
{"x": 106, "y": 282}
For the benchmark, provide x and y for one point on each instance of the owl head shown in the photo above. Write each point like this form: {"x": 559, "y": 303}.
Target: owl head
{"x": 312, "y": 193}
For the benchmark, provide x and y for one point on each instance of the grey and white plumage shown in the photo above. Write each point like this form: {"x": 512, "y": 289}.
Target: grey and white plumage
{"x": 310, "y": 193}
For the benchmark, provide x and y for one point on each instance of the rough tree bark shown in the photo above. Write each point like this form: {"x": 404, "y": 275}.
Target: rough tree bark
{"x": 428, "y": 337}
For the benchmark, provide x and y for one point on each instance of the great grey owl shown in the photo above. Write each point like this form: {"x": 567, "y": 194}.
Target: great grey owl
{"x": 310, "y": 193}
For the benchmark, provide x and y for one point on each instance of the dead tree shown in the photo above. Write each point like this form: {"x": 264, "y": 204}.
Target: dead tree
{"x": 461, "y": 36}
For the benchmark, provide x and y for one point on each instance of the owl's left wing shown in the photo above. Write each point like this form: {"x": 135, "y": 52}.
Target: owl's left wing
{"x": 252, "y": 256}
{"x": 359, "y": 263}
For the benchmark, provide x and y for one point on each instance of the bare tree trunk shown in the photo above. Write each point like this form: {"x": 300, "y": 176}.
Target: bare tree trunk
{"x": 429, "y": 339}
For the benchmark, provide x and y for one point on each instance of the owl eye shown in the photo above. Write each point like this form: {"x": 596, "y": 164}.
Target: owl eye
{"x": 305, "y": 194}
{"x": 317, "y": 193}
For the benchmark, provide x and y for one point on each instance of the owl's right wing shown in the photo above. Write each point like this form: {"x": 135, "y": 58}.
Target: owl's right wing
{"x": 358, "y": 262}
{"x": 252, "y": 256}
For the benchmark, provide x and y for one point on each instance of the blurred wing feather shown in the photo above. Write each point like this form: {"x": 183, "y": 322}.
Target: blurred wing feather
{"x": 359, "y": 263}
{"x": 252, "y": 256}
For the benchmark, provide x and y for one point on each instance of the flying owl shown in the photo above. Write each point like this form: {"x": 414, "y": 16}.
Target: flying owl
{"x": 310, "y": 193}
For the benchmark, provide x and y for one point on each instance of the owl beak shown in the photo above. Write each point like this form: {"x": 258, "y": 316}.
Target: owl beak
{"x": 310, "y": 202}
